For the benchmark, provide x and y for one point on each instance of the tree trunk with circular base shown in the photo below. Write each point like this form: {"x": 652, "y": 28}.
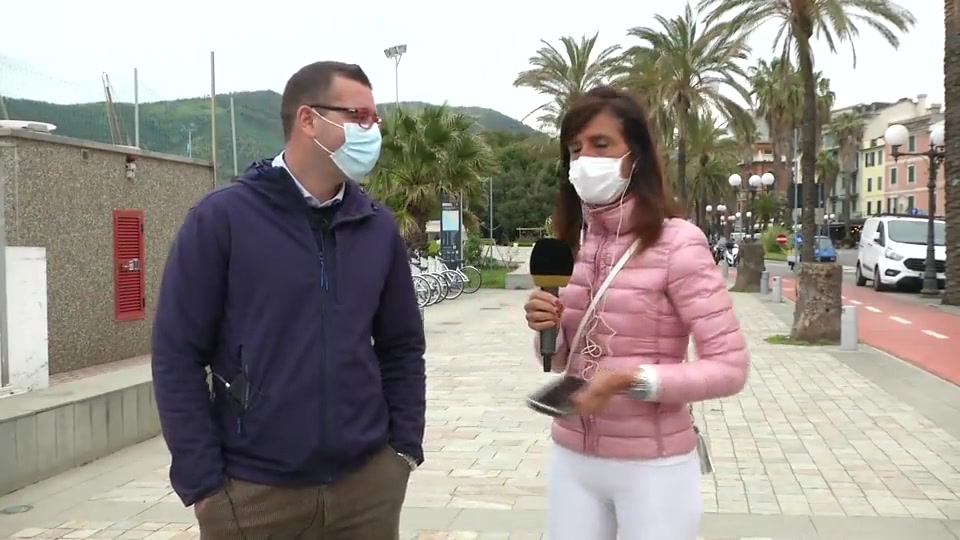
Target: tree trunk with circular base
{"x": 749, "y": 268}
{"x": 816, "y": 316}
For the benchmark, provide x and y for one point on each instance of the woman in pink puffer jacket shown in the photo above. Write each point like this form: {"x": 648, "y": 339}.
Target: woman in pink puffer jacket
{"x": 627, "y": 462}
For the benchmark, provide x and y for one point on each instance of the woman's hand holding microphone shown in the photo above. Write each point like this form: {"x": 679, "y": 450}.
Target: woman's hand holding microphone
{"x": 543, "y": 310}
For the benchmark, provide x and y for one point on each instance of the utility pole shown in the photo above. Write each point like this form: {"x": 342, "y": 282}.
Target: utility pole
{"x": 213, "y": 117}
{"x": 395, "y": 53}
{"x": 136, "y": 108}
{"x": 233, "y": 133}
{"x": 490, "y": 208}
{"x": 190, "y": 129}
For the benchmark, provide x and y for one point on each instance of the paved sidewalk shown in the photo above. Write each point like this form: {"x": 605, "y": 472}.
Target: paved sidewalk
{"x": 811, "y": 449}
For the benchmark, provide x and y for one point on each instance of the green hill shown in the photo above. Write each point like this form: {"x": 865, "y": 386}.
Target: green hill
{"x": 168, "y": 126}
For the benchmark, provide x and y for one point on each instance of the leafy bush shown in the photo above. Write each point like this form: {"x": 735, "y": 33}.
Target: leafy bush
{"x": 473, "y": 250}
{"x": 433, "y": 248}
{"x": 769, "y": 238}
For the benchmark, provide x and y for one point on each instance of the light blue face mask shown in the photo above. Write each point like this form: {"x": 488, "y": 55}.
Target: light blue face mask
{"x": 360, "y": 150}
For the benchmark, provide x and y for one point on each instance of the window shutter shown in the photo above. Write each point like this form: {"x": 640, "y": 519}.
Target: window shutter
{"x": 128, "y": 265}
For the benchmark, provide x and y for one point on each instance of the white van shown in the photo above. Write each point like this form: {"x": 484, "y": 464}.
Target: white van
{"x": 893, "y": 251}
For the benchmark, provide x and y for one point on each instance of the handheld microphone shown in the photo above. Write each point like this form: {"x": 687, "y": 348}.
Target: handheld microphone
{"x": 551, "y": 265}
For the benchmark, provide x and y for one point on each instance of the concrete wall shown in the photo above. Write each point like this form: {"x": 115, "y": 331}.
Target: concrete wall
{"x": 59, "y": 194}
{"x": 27, "y": 354}
{"x": 49, "y": 431}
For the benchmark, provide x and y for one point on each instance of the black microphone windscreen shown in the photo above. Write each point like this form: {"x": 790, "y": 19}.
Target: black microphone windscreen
{"x": 551, "y": 261}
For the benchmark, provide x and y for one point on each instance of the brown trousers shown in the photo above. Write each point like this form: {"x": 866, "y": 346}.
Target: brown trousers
{"x": 364, "y": 506}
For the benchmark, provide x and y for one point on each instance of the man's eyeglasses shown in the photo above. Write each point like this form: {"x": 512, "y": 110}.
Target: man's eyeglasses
{"x": 365, "y": 118}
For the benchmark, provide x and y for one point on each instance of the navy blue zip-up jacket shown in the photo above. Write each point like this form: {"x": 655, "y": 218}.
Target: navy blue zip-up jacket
{"x": 251, "y": 289}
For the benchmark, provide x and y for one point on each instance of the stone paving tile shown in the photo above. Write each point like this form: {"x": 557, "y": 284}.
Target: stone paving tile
{"x": 188, "y": 531}
{"x": 807, "y": 437}
{"x": 810, "y": 436}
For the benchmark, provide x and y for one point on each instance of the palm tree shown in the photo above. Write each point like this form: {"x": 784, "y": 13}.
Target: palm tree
{"x": 778, "y": 98}
{"x": 827, "y": 170}
{"x": 716, "y": 154}
{"x": 825, "y": 101}
{"x": 768, "y": 205}
{"x": 692, "y": 64}
{"x": 563, "y": 76}
{"x": 425, "y": 154}
{"x": 951, "y": 62}
{"x": 847, "y": 132}
{"x": 800, "y": 22}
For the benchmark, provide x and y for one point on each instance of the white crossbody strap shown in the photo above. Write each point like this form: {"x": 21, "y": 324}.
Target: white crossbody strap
{"x": 598, "y": 295}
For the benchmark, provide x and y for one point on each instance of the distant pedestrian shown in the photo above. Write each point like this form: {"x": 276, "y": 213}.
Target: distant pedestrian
{"x": 293, "y": 289}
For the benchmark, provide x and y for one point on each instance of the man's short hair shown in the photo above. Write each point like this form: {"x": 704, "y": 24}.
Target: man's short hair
{"x": 309, "y": 85}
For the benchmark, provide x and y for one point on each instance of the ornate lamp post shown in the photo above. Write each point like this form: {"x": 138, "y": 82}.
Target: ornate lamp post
{"x": 896, "y": 136}
{"x": 721, "y": 213}
{"x": 755, "y": 182}
{"x": 709, "y": 210}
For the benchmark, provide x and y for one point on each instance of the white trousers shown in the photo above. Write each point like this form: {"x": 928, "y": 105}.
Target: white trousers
{"x": 595, "y": 498}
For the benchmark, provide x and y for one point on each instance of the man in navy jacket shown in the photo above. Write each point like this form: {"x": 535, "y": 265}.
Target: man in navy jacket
{"x": 292, "y": 290}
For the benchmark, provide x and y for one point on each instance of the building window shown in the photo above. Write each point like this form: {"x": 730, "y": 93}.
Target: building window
{"x": 912, "y": 144}
{"x": 880, "y": 156}
{"x": 128, "y": 273}
{"x": 869, "y": 184}
{"x": 911, "y": 174}
{"x": 893, "y": 176}
{"x": 869, "y": 159}
{"x": 909, "y": 203}
{"x": 891, "y": 205}
{"x": 869, "y": 207}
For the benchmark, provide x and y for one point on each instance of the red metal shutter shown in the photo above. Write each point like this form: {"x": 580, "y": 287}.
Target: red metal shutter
{"x": 128, "y": 276}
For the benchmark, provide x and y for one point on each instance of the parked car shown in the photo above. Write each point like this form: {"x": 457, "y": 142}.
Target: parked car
{"x": 823, "y": 251}
{"x": 893, "y": 249}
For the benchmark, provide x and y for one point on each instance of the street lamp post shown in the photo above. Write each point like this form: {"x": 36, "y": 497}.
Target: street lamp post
{"x": 709, "y": 210}
{"x": 395, "y": 53}
{"x": 721, "y": 212}
{"x": 755, "y": 182}
{"x": 896, "y": 136}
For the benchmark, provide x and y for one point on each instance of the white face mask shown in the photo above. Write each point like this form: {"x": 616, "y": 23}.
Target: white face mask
{"x": 597, "y": 179}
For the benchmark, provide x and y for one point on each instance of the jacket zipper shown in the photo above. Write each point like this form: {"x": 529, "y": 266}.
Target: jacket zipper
{"x": 327, "y": 261}
{"x": 246, "y": 393}
{"x": 586, "y": 433}
{"x": 591, "y": 440}
{"x": 658, "y": 432}
{"x": 325, "y": 400}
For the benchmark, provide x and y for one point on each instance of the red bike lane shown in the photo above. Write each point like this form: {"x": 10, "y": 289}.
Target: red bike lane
{"x": 925, "y": 336}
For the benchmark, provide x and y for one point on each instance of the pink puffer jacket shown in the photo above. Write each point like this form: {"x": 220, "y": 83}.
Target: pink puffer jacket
{"x": 672, "y": 290}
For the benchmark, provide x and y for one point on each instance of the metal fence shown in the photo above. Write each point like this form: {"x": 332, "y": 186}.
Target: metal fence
{"x": 127, "y": 109}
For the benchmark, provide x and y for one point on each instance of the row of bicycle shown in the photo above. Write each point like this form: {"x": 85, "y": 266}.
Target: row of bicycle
{"x": 434, "y": 282}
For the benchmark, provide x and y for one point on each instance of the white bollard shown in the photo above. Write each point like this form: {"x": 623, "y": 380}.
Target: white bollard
{"x": 778, "y": 289}
{"x": 764, "y": 282}
{"x": 848, "y": 329}
{"x": 724, "y": 269}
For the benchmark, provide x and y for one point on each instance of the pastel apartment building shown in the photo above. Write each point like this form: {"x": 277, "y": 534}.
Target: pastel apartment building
{"x": 906, "y": 184}
{"x": 874, "y": 170}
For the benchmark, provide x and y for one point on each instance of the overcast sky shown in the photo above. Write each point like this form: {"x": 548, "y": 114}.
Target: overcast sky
{"x": 467, "y": 55}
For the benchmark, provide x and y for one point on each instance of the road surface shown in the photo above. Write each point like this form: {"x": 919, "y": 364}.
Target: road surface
{"x": 902, "y": 324}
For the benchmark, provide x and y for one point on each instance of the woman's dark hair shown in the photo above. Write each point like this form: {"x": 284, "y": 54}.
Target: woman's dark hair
{"x": 648, "y": 186}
